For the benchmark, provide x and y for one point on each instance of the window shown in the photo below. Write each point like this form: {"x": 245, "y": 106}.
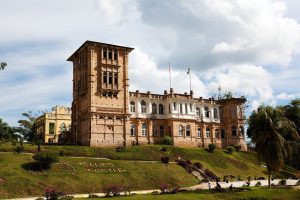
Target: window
{"x": 199, "y": 132}
{"x": 154, "y": 108}
{"x": 144, "y": 129}
{"x": 191, "y": 107}
{"x": 233, "y": 130}
{"x": 110, "y": 77}
{"x": 132, "y": 130}
{"x": 233, "y": 113}
{"x": 143, "y": 105}
{"x": 110, "y": 54}
{"x": 116, "y": 78}
{"x": 206, "y": 111}
{"x": 154, "y": 131}
{"x": 180, "y": 130}
{"x": 51, "y": 128}
{"x": 115, "y": 54}
{"x": 188, "y": 131}
{"x": 105, "y": 53}
{"x": 132, "y": 107}
{"x": 198, "y": 112}
{"x": 161, "y": 109}
{"x": 161, "y": 131}
{"x": 63, "y": 127}
{"x": 174, "y": 105}
{"x": 208, "y": 132}
{"x": 217, "y": 134}
{"x": 180, "y": 108}
{"x": 223, "y": 133}
{"x": 186, "y": 109}
{"x": 216, "y": 113}
{"x": 169, "y": 108}
{"x": 104, "y": 77}
{"x": 242, "y": 131}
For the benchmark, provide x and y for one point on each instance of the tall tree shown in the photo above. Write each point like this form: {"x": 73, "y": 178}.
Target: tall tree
{"x": 266, "y": 128}
{"x": 26, "y": 126}
{"x": 2, "y": 65}
{"x": 6, "y": 132}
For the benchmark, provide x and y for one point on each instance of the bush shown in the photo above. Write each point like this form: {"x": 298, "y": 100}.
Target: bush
{"x": 19, "y": 149}
{"x": 225, "y": 179}
{"x": 14, "y": 143}
{"x": 164, "y": 149}
{"x": 237, "y": 147}
{"x": 211, "y": 147}
{"x": 229, "y": 149}
{"x": 44, "y": 160}
{"x": 210, "y": 174}
{"x": 61, "y": 153}
{"x": 120, "y": 149}
{"x": 112, "y": 190}
{"x": 258, "y": 183}
{"x": 166, "y": 189}
{"x": 165, "y": 159}
{"x": 282, "y": 182}
{"x": 198, "y": 165}
{"x": 53, "y": 194}
{"x": 167, "y": 141}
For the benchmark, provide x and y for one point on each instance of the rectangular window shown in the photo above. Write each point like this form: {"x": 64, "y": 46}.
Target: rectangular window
{"x": 110, "y": 77}
{"x": 51, "y": 128}
{"x": 116, "y": 78}
{"x": 105, "y": 53}
{"x": 104, "y": 77}
{"x": 199, "y": 133}
{"x": 110, "y": 54}
{"x": 115, "y": 54}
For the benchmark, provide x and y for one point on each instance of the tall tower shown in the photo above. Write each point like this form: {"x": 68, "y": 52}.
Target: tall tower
{"x": 100, "y": 113}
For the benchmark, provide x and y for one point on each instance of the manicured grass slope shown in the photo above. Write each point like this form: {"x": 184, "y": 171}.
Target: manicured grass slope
{"x": 259, "y": 194}
{"x": 137, "y": 175}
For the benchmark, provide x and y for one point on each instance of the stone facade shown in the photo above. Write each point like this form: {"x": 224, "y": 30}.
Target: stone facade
{"x": 49, "y": 126}
{"x": 105, "y": 113}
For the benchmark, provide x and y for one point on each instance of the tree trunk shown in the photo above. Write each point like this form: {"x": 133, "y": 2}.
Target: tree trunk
{"x": 269, "y": 178}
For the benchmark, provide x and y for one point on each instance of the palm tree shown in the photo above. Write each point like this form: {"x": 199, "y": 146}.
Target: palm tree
{"x": 266, "y": 126}
{"x": 2, "y": 65}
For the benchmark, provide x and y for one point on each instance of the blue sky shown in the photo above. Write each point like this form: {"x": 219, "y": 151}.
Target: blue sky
{"x": 247, "y": 47}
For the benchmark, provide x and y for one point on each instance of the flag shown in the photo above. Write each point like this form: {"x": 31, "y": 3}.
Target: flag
{"x": 188, "y": 71}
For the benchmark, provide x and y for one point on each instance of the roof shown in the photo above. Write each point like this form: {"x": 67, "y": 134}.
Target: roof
{"x": 98, "y": 43}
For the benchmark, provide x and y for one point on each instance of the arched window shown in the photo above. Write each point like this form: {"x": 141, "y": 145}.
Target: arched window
{"x": 132, "y": 107}
{"x": 144, "y": 107}
{"x": 198, "y": 112}
{"x": 63, "y": 127}
{"x": 191, "y": 107}
{"x": 186, "y": 109}
{"x": 199, "y": 132}
{"x": 161, "y": 131}
{"x": 161, "y": 109}
{"x": 180, "y": 108}
{"x": 154, "y": 131}
{"x": 233, "y": 130}
{"x": 208, "y": 132}
{"x": 216, "y": 113}
{"x": 217, "y": 134}
{"x": 132, "y": 130}
{"x": 188, "y": 131}
{"x": 174, "y": 106}
{"x": 180, "y": 130}
{"x": 144, "y": 129}
{"x": 154, "y": 108}
{"x": 206, "y": 111}
{"x": 242, "y": 131}
{"x": 223, "y": 133}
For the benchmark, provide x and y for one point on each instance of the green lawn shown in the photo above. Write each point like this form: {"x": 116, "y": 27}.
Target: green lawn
{"x": 254, "y": 194}
{"x": 136, "y": 175}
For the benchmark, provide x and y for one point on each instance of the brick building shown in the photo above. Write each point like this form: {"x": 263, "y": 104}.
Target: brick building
{"x": 105, "y": 113}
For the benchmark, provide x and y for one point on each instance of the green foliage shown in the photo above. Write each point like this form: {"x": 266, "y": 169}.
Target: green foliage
{"x": 164, "y": 149}
{"x": 165, "y": 159}
{"x": 230, "y": 149}
{"x": 120, "y": 149}
{"x": 237, "y": 147}
{"x": 211, "y": 147}
{"x": 26, "y": 126}
{"x": 167, "y": 140}
{"x": 198, "y": 165}
{"x": 258, "y": 184}
{"x": 111, "y": 190}
{"x": 282, "y": 182}
{"x": 44, "y": 160}
{"x": 19, "y": 149}
{"x": 2, "y": 65}
{"x": 53, "y": 194}
{"x": 6, "y": 132}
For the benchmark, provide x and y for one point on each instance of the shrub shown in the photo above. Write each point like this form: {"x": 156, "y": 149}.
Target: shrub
{"x": 167, "y": 141}
{"x": 165, "y": 159}
{"x": 14, "y": 142}
{"x": 61, "y": 153}
{"x": 237, "y": 147}
{"x": 210, "y": 174}
{"x": 225, "y": 179}
{"x": 211, "y": 147}
{"x": 166, "y": 189}
{"x": 229, "y": 149}
{"x": 53, "y": 194}
{"x": 182, "y": 163}
{"x": 44, "y": 160}
{"x": 164, "y": 149}
{"x": 112, "y": 190}
{"x": 282, "y": 182}
{"x": 198, "y": 165}
{"x": 258, "y": 183}
{"x": 120, "y": 149}
{"x": 19, "y": 149}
